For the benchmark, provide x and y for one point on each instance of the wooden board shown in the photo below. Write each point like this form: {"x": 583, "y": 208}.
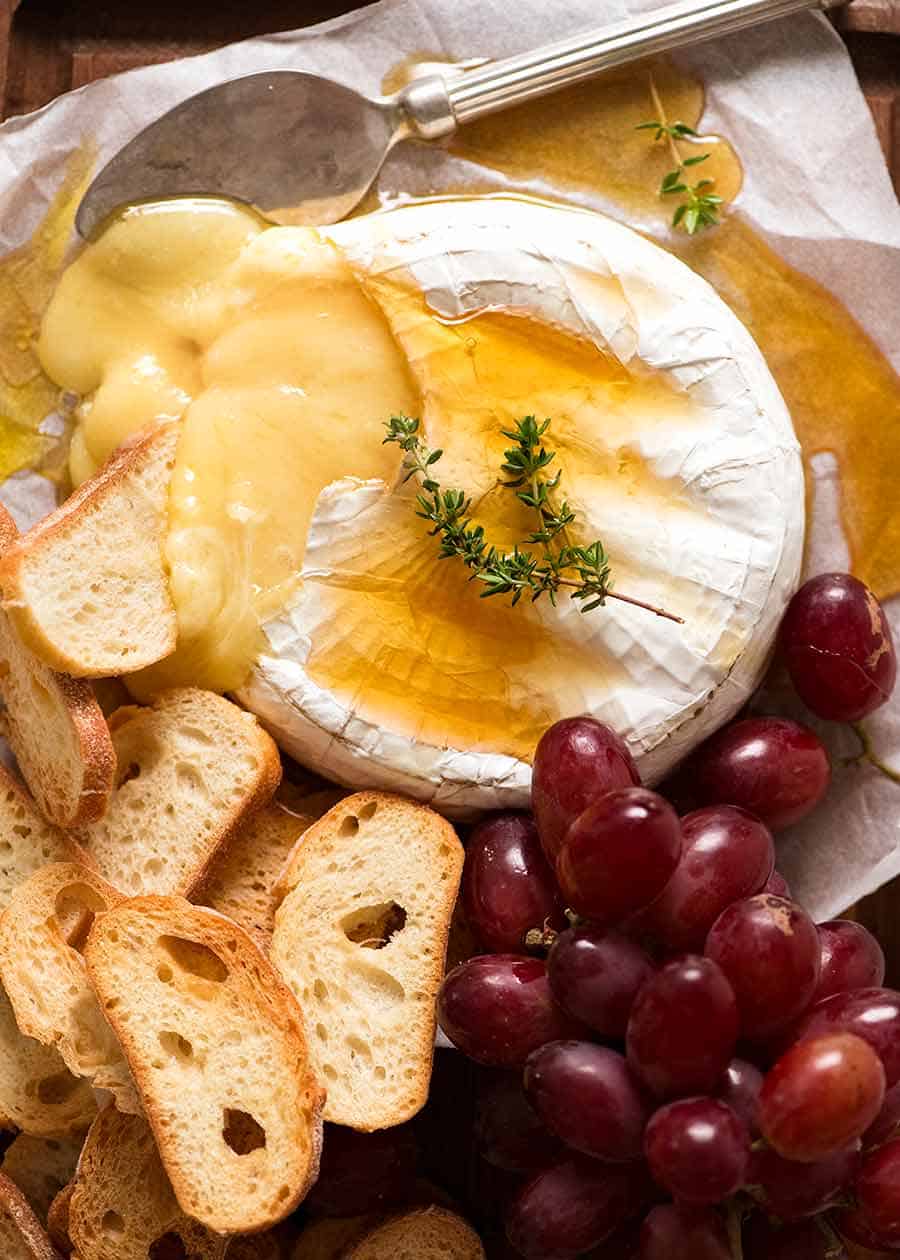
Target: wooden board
{"x": 50, "y": 46}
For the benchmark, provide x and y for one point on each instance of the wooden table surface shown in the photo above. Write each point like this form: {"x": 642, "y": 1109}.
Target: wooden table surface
{"x": 50, "y": 46}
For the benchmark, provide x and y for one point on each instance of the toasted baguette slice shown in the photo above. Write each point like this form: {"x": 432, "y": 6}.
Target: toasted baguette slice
{"x": 122, "y": 1206}
{"x": 329, "y": 1237}
{"x": 54, "y": 725}
{"x": 191, "y": 768}
{"x": 265, "y": 1246}
{"x": 58, "y": 1220}
{"x": 215, "y": 1043}
{"x": 27, "y": 840}
{"x": 425, "y": 1234}
{"x": 43, "y": 972}
{"x": 21, "y": 1234}
{"x": 41, "y": 1167}
{"x": 361, "y": 936}
{"x": 245, "y": 872}
{"x": 86, "y": 588}
{"x": 38, "y": 1093}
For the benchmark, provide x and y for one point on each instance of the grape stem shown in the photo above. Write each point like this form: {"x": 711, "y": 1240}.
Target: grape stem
{"x": 541, "y": 938}
{"x": 833, "y": 1242}
{"x": 867, "y": 753}
{"x": 734, "y": 1218}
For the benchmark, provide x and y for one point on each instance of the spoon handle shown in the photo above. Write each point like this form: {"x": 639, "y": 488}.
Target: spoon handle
{"x": 435, "y": 107}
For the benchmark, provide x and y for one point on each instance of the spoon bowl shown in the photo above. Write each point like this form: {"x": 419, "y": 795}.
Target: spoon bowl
{"x": 323, "y": 146}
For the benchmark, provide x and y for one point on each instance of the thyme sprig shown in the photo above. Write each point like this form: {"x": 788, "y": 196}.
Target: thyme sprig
{"x": 666, "y": 130}
{"x": 525, "y": 463}
{"x": 583, "y": 571}
{"x": 699, "y": 207}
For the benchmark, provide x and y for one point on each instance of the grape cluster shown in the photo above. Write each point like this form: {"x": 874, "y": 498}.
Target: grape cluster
{"x": 688, "y": 1063}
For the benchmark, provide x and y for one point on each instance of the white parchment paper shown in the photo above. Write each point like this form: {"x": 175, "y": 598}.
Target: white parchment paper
{"x": 786, "y": 97}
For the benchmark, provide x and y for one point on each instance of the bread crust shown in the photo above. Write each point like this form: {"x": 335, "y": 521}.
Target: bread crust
{"x": 83, "y": 716}
{"x": 23, "y": 1222}
{"x": 262, "y": 994}
{"x": 125, "y": 460}
{"x": 58, "y": 1219}
{"x": 423, "y": 1228}
{"x": 329, "y": 1236}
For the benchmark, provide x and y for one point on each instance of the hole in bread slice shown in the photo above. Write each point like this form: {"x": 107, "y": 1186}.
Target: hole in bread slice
{"x": 112, "y": 1224}
{"x": 177, "y": 1046}
{"x": 57, "y": 1089}
{"x": 373, "y": 927}
{"x": 197, "y": 960}
{"x": 131, "y": 771}
{"x": 74, "y": 910}
{"x": 242, "y": 1132}
{"x": 169, "y": 1246}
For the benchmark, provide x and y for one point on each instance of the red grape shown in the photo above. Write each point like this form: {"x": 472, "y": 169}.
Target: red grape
{"x": 768, "y": 948}
{"x": 576, "y": 762}
{"x": 587, "y": 1096}
{"x": 570, "y": 1207}
{"x": 672, "y": 1232}
{"x": 821, "y": 1096}
{"x": 363, "y": 1172}
{"x": 727, "y": 854}
{"x": 771, "y": 766}
{"x": 507, "y": 885}
{"x": 873, "y": 1014}
{"x": 595, "y": 976}
{"x": 838, "y": 648}
{"x": 698, "y": 1149}
{"x": 875, "y": 1222}
{"x": 764, "y": 1239}
{"x": 508, "y": 1130}
{"x": 887, "y": 1121}
{"x": 851, "y": 959}
{"x": 683, "y": 1028}
{"x": 618, "y": 854}
{"x": 740, "y": 1089}
{"x": 497, "y": 1008}
{"x": 793, "y": 1191}
{"x": 777, "y": 885}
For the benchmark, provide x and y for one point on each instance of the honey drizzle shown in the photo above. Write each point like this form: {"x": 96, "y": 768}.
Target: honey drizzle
{"x": 28, "y": 276}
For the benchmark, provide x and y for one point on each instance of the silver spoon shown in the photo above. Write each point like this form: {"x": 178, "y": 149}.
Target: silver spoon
{"x": 285, "y": 138}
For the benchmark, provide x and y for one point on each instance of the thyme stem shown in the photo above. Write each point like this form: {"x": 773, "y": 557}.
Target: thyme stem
{"x": 699, "y": 208}
{"x": 519, "y": 571}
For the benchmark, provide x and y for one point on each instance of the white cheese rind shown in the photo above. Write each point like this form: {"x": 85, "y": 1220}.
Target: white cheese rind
{"x": 739, "y": 545}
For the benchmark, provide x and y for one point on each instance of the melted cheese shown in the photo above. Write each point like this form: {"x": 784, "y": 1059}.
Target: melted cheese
{"x": 283, "y": 371}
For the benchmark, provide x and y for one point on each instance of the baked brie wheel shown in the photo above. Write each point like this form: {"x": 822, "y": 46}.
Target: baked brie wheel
{"x": 675, "y": 447}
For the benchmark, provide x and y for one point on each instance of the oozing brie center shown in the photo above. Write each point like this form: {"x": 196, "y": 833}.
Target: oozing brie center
{"x": 283, "y": 367}
{"x": 283, "y": 371}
